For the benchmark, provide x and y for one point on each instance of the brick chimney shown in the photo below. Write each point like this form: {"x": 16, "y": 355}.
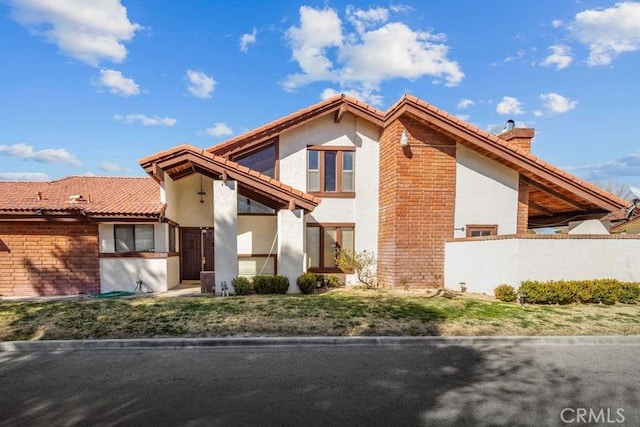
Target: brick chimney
{"x": 520, "y": 136}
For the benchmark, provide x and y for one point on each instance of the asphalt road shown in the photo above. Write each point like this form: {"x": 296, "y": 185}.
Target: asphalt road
{"x": 494, "y": 383}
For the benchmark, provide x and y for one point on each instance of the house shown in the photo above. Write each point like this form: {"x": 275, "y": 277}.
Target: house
{"x": 438, "y": 200}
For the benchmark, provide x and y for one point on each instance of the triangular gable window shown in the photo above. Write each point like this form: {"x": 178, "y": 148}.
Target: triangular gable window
{"x": 249, "y": 206}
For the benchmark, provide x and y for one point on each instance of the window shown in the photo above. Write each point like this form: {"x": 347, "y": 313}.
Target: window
{"x": 262, "y": 160}
{"x": 481, "y": 230}
{"x": 134, "y": 238}
{"x": 252, "y": 265}
{"x": 248, "y": 206}
{"x": 323, "y": 242}
{"x": 172, "y": 238}
{"x": 330, "y": 171}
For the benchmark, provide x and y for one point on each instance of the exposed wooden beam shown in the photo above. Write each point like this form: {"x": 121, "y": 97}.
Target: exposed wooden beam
{"x": 157, "y": 173}
{"x": 341, "y": 112}
{"x": 554, "y": 194}
{"x": 540, "y": 209}
{"x": 563, "y": 219}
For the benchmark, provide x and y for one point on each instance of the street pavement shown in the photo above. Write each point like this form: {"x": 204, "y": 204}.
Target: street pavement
{"x": 391, "y": 382}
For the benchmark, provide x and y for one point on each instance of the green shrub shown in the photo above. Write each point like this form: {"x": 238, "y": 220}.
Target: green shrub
{"x": 280, "y": 284}
{"x": 333, "y": 281}
{"x": 306, "y": 282}
{"x": 506, "y": 293}
{"x": 242, "y": 285}
{"x": 598, "y": 291}
{"x": 629, "y": 292}
{"x": 263, "y": 285}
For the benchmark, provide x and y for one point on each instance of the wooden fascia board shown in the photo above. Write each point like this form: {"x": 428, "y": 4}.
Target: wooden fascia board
{"x": 558, "y": 220}
{"x": 507, "y": 154}
{"x": 340, "y": 113}
{"x": 554, "y": 194}
{"x": 157, "y": 172}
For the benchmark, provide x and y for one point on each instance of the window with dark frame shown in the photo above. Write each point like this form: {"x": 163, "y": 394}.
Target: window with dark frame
{"x": 323, "y": 243}
{"x": 330, "y": 172}
{"x": 481, "y": 230}
{"x": 172, "y": 238}
{"x": 134, "y": 238}
{"x": 262, "y": 160}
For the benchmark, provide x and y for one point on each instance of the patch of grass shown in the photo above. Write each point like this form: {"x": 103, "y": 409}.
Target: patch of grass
{"x": 337, "y": 312}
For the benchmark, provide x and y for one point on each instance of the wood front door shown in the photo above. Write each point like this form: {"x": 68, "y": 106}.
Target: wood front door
{"x": 196, "y": 251}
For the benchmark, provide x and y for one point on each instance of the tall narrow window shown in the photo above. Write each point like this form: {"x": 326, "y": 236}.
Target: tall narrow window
{"x": 172, "y": 238}
{"x": 330, "y": 246}
{"x": 313, "y": 247}
{"x": 347, "y": 171}
{"x": 329, "y": 171}
{"x": 313, "y": 171}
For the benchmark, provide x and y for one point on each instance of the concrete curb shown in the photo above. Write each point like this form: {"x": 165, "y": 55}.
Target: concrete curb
{"x": 53, "y": 345}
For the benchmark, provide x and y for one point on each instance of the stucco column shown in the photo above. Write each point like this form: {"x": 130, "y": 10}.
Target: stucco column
{"x": 225, "y": 231}
{"x": 291, "y": 245}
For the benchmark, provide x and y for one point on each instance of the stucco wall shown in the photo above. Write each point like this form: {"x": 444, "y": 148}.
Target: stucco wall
{"x": 183, "y": 201}
{"x": 486, "y": 263}
{"x": 256, "y": 234}
{"x": 121, "y": 274}
{"x": 486, "y": 193}
{"x": 352, "y": 132}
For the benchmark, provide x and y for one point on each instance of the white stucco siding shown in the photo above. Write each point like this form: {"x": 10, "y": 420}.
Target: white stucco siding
{"x": 485, "y": 264}
{"x": 350, "y": 132}
{"x": 225, "y": 231}
{"x": 291, "y": 255}
{"x": 256, "y": 234}
{"x": 121, "y": 274}
{"x": 486, "y": 193}
{"x": 183, "y": 201}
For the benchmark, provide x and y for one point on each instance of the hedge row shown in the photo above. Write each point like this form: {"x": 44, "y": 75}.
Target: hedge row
{"x": 261, "y": 285}
{"x": 598, "y": 291}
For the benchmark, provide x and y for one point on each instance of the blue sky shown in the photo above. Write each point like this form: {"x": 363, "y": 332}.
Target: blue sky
{"x": 91, "y": 87}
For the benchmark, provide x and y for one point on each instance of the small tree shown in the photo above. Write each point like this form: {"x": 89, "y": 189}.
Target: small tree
{"x": 363, "y": 264}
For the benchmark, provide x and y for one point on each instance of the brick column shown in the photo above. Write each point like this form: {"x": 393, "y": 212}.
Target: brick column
{"x": 416, "y": 204}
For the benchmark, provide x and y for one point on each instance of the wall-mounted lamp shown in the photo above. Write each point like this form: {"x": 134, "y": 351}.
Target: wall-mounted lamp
{"x": 201, "y": 193}
{"x": 458, "y": 229}
{"x": 404, "y": 139}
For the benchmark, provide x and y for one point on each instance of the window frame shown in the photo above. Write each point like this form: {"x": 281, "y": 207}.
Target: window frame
{"x": 276, "y": 167}
{"x": 135, "y": 248}
{"x": 339, "y": 171}
{"x": 321, "y": 226}
{"x": 492, "y": 229}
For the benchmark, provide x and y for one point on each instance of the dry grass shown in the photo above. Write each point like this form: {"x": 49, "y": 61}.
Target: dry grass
{"x": 343, "y": 312}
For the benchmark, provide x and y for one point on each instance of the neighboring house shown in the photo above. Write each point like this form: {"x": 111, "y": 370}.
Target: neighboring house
{"x": 438, "y": 200}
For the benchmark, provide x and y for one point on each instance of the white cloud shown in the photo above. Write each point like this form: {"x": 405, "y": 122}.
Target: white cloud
{"x": 556, "y": 23}
{"x": 248, "y": 39}
{"x": 556, "y": 103}
{"x": 509, "y": 105}
{"x": 608, "y": 32}
{"x": 560, "y": 57}
{"x": 200, "y": 85}
{"x": 219, "y": 129}
{"x": 359, "y": 61}
{"x": 117, "y": 83}
{"x": 368, "y": 95}
{"x": 110, "y": 167}
{"x": 90, "y": 31}
{"x": 145, "y": 120}
{"x": 49, "y": 155}
{"x": 464, "y": 117}
{"x": 465, "y": 103}
{"x": 24, "y": 176}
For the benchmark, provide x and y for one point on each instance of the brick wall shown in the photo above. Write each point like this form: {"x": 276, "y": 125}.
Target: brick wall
{"x": 39, "y": 258}
{"x": 416, "y": 204}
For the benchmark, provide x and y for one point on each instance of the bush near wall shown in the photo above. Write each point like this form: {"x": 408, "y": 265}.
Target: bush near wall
{"x": 270, "y": 284}
{"x": 307, "y": 283}
{"x": 242, "y": 285}
{"x": 506, "y": 293}
{"x": 597, "y": 291}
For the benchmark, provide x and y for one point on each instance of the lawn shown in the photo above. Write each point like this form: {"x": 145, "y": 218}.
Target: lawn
{"x": 341, "y": 312}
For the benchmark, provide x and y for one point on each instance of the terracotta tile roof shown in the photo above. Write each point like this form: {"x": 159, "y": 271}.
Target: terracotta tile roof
{"x": 273, "y": 128}
{"x": 90, "y": 196}
{"x": 172, "y": 161}
{"x": 510, "y": 148}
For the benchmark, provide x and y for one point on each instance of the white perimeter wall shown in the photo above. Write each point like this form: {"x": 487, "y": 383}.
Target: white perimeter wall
{"x": 352, "y": 132}
{"x": 121, "y": 274}
{"x": 486, "y": 193}
{"x": 485, "y": 264}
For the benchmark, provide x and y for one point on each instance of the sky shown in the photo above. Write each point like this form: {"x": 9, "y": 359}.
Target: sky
{"x": 90, "y": 87}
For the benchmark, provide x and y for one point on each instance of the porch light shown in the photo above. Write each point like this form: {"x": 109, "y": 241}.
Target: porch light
{"x": 201, "y": 193}
{"x": 404, "y": 139}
